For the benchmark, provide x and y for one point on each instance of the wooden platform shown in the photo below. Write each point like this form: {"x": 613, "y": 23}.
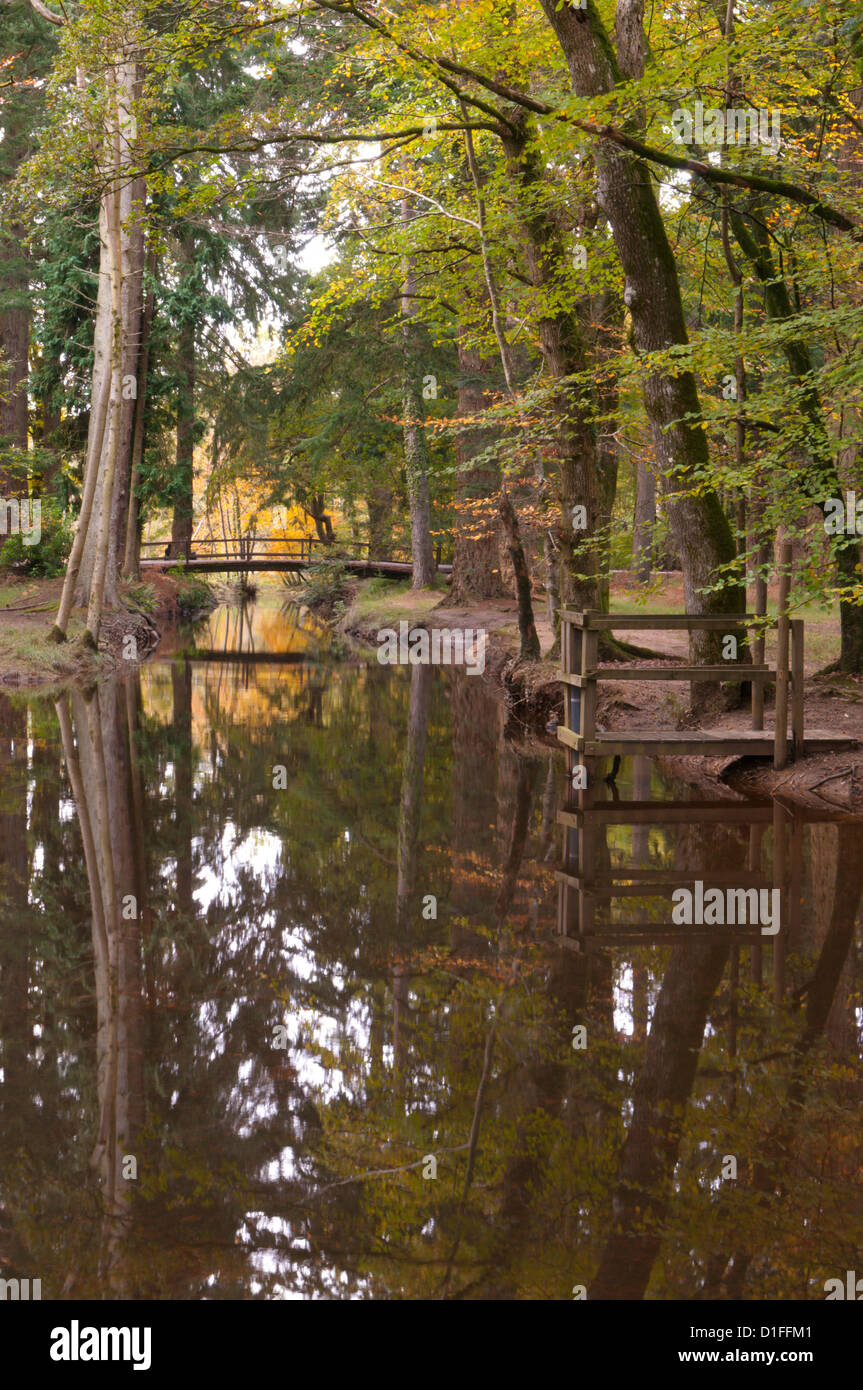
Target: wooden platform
{"x": 711, "y": 743}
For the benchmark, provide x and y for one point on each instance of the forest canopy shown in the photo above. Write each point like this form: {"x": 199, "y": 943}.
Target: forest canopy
{"x": 544, "y": 289}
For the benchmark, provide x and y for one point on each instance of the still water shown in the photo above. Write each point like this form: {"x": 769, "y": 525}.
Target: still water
{"x": 305, "y": 992}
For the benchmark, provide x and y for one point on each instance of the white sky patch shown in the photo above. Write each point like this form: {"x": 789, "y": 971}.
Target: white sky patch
{"x": 623, "y": 1020}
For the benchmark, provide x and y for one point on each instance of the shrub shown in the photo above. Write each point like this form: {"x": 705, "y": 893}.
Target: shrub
{"x": 326, "y": 588}
{"x": 46, "y": 559}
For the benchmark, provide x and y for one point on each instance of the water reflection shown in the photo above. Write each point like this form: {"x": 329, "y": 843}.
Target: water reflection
{"x": 217, "y": 858}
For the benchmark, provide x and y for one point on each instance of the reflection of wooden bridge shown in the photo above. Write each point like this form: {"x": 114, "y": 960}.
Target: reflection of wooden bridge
{"x": 282, "y": 554}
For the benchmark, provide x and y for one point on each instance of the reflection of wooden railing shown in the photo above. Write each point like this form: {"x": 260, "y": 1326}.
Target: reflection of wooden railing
{"x": 587, "y": 881}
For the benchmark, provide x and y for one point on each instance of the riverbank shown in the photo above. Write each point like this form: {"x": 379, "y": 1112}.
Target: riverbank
{"x": 30, "y": 660}
{"x": 534, "y": 694}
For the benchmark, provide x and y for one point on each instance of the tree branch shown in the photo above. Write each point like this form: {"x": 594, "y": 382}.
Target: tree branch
{"x": 780, "y": 188}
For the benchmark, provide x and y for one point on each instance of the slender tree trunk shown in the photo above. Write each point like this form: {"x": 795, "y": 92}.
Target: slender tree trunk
{"x": 93, "y": 565}
{"x": 184, "y": 471}
{"x": 380, "y": 508}
{"x": 527, "y": 627}
{"x": 644, "y": 523}
{"x": 574, "y": 464}
{"x": 416, "y": 449}
{"x": 14, "y": 352}
{"x": 132, "y": 548}
{"x": 476, "y": 544}
{"x": 14, "y": 322}
{"x": 626, "y": 196}
{"x": 103, "y": 532}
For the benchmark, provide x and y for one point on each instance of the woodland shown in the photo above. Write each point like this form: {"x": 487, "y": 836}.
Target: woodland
{"x": 519, "y": 285}
{"x": 539, "y": 290}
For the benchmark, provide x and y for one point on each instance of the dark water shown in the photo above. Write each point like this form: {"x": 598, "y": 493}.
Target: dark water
{"x": 280, "y": 940}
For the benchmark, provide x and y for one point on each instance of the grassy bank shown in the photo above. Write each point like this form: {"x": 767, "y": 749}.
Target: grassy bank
{"x": 27, "y": 608}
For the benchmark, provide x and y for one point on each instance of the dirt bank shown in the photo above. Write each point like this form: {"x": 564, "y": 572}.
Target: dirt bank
{"x": 534, "y": 695}
{"x": 29, "y": 660}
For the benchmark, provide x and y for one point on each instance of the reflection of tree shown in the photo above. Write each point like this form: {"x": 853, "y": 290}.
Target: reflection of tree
{"x": 15, "y": 1026}
{"x": 661, "y": 1095}
{"x": 97, "y": 750}
{"x": 409, "y": 824}
{"x": 775, "y": 1153}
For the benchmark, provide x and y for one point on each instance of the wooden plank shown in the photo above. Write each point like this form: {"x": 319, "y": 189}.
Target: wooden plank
{"x": 646, "y": 881}
{"x": 589, "y": 651}
{"x": 653, "y": 936}
{"x": 668, "y": 813}
{"x": 570, "y": 739}
{"x": 647, "y": 622}
{"x": 797, "y": 686}
{"x": 726, "y": 672}
{"x": 704, "y": 743}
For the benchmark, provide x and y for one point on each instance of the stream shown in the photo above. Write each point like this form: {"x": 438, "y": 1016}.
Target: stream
{"x": 294, "y": 1003}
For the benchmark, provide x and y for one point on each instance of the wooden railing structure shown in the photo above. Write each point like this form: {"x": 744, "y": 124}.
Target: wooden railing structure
{"x": 580, "y": 673}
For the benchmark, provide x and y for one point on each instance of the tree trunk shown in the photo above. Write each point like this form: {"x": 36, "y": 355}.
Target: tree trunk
{"x": 380, "y": 508}
{"x": 14, "y": 322}
{"x": 644, "y": 523}
{"x": 476, "y": 545}
{"x": 527, "y": 628}
{"x": 184, "y": 471}
{"x": 574, "y": 467}
{"x": 93, "y": 565}
{"x": 132, "y": 551}
{"x": 416, "y": 449}
{"x": 626, "y": 196}
{"x": 14, "y": 352}
{"x": 752, "y": 238}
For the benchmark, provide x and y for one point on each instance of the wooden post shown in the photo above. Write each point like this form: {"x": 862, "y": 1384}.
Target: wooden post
{"x": 758, "y": 642}
{"x": 780, "y": 737}
{"x": 589, "y": 654}
{"x": 797, "y": 686}
{"x": 570, "y": 651}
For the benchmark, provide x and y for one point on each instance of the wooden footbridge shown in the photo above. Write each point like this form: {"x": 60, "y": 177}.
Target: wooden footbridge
{"x": 261, "y": 554}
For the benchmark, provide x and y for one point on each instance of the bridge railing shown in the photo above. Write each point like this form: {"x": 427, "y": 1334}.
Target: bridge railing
{"x": 236, "y": 549}
{"x": 242, "y": 547}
